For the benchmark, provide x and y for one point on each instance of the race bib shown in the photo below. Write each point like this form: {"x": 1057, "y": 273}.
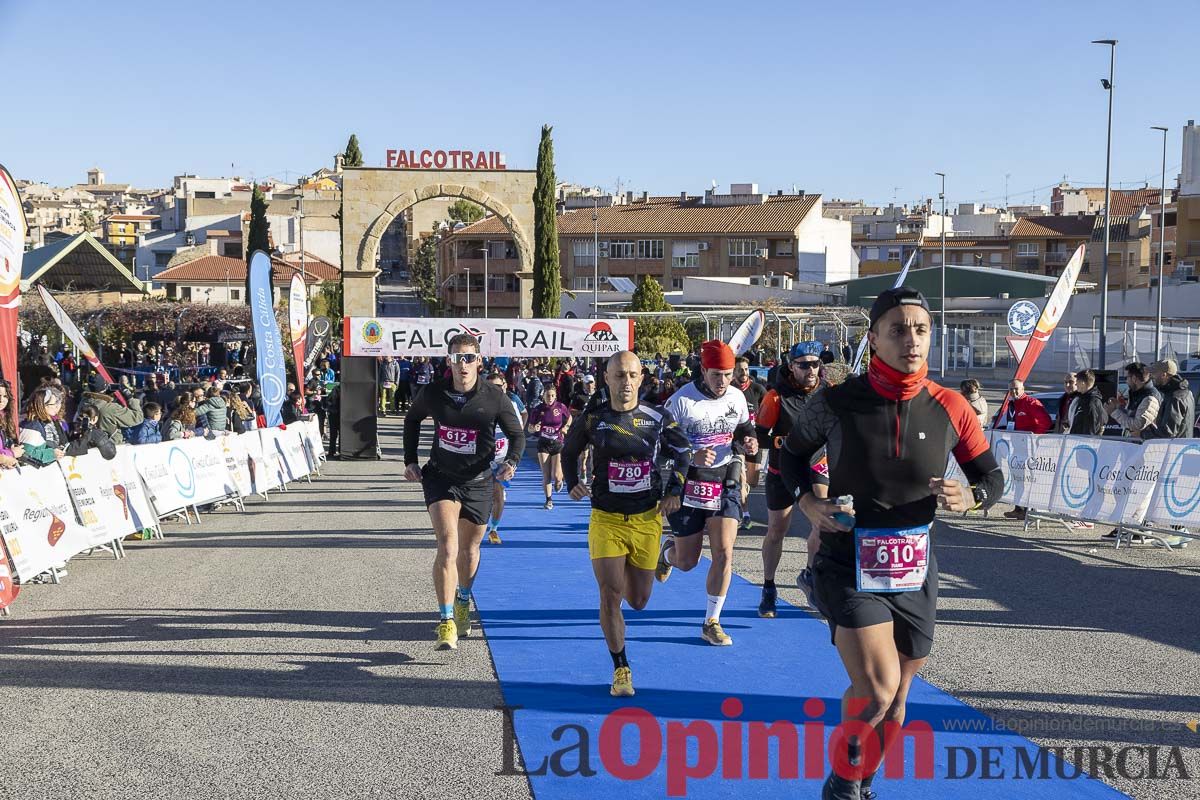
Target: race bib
{"x": 501, "y": 447}
{"x": 702, "y": 494}
{"x": 457, "y": 440}
{"x": 891, "y": 559}
{"x": 549, "y": 432}
{"x": 628, "y": 477}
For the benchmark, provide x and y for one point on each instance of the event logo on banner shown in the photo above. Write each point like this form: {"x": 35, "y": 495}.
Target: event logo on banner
{"x": 1028, "y": 463}
{"x": 1097, "y": 479}
{"x": 298, "y": 325}
{"x": 272, "y": 378}
{"x": 1176, "y": 498}
{"x": 99, "y": 505}
{"x": 12, "y": 249}
{"x": 522, "y": 338}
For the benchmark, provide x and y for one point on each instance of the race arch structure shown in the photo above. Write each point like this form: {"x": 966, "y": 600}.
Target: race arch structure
{"x": 371, "y": 198}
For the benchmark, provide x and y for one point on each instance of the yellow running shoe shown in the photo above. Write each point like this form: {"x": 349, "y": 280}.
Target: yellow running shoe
{"x": 494, "y": 536}
{"x": 662, "y": 570}
{"x": 462, "y": 617}
{"x": 447, "y": 636}
{"x": 622, "y": 685}
{"x": 713, "y": 633}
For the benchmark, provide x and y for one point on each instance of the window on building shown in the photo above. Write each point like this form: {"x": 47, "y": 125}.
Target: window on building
{"x": 685, "y": 254}
{"x": 743, "y": 252}
{"x": 785, "y": 248}
{"x": 235, "y": 294}
{"x": 622, "y": 248}
{"x": 893, "y": 254}
{"x": 873, "y": 254}
{"x": 162, "y": 258}
{"x": 650, "y": 249}
{"x": 676, "y": 284}
{"x": 581, "y": 284}
{"x": 583, "y": 252}
{"x": 206, "y": 195}
{"x": 997, "y": 258}
{"x": 185, "y": 293}
{"x": 935, "y": 258}
{"x": 231, "y": 249}
{"x": 1027, "y": 248}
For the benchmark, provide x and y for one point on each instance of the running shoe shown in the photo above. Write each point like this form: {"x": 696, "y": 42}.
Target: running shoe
{"x": 838, "y": 788}
{"x": 805, "y": 581}
{"x": 713, "y": 633}
{"x": 548, "y": 505}
{"x": 766, "y": 606}
{"x": 494, "y": 536}
{"x": 447, "y": 635}
{"x": 622, "y": 685}
{"x": 865, "y": 792}
{"x": 1016, "y": 513}
{"x": 1113, "y": 534}
{"x": 462, "y": 617}
{"x": 662, "y": 570}
{"x": 747, "y": 523}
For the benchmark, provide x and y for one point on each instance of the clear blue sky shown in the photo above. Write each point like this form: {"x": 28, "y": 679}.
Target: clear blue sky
{"x": 846, "y": 99}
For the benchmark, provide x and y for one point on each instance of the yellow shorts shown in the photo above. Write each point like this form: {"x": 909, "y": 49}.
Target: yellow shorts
{"x": 635, "y": 537}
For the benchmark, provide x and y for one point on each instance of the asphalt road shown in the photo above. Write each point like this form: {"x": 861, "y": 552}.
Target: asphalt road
{"x": 286, "y": 652}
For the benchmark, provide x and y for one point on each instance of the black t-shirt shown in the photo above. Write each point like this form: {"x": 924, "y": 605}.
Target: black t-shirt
{"x": 627, "y": 446}
{"x": 464, "y": 434}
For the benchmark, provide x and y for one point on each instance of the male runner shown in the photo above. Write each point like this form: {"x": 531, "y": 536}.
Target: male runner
{"x": 754, "y": 393}
{"x": 627, "y": 439}
{"x": 776, "y": 415}
{"x": 457, "y": 479}
{"x": 714, "y": 417}
{"x": 499, "y": 486}
{"x": 888, "y": 435}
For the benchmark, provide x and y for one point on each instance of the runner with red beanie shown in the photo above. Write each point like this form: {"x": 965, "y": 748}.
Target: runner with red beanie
{"x": 714, "y": 417}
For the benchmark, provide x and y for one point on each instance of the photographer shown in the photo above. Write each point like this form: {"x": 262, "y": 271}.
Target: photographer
{"x": 111, "y": 416}
{"x": 85, "y": 434}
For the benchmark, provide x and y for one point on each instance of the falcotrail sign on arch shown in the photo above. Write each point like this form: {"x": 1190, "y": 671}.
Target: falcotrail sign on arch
{"x": 520, "y": 338}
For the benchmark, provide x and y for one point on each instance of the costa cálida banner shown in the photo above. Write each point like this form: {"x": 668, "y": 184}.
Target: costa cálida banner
{"x": 59, "y": 315}
{"x": 1053, "y": 311}
{"x": 521, "y": 338}
{"x": 12, "y": 249}
{"x": 298, "y": 323}
{"x": 272, "y": 377}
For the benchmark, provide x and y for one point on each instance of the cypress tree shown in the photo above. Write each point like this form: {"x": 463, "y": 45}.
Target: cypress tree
{"x": 547, "y": 280}
{"x": 258, "y": 236}
{"x": 353, "y": 156}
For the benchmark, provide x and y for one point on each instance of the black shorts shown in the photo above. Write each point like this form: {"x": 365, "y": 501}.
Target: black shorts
{"x": 912, "y": 614}
{"x": 475, "y": 496}
{"x": 550, "y": 447}
{"x": 688, "y": 521}
{"x": 778, "y": 497}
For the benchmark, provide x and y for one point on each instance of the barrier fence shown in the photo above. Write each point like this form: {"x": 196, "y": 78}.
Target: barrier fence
{"x": 1152, "y": 487}
{"x": 50, "y": 514}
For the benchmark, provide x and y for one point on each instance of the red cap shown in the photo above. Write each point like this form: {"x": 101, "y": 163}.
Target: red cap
{"x": 715, "y": 354}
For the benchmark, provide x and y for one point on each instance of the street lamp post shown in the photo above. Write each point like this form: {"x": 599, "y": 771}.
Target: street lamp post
{"x": 942, "y": 197}
{"x": 484, "y": 250}
{"x": 595, "y": 260}
{"x": 1162, "y": 241}
{"x": 1108, "y": 86}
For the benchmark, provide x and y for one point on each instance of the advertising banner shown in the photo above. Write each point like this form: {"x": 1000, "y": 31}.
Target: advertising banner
{"x": 12, "y": 249}
{"x": 271, "y": 375}
{"x": 68, "y": 327}
{"x": 520, "y": 338}
{"x": 319, "y": 331}
{"x": 1028, "y": 463}
{"x": 99, "y": 502}
{"x": 1176, "y": 499}
{"x": 298, "y": 326}
{"x": 1096, "y": 479}
{"x": 237, "y": 461}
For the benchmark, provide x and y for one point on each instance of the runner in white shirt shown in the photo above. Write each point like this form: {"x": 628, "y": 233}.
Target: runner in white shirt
{"x": 714, "y": 416}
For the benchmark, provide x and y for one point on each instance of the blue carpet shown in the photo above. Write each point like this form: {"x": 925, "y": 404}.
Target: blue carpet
{"x": 537, "y": 600}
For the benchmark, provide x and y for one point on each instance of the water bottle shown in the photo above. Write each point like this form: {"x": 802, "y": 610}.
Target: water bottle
{"x": 841, "y": 516}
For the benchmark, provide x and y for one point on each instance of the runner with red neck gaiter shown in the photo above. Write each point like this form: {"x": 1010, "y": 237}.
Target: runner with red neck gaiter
{"x": 887, "y": 435}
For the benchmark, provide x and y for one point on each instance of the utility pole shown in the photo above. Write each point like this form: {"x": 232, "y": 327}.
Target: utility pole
{"x": 1162, "y": 234}
{"x": 1102, "y": 361}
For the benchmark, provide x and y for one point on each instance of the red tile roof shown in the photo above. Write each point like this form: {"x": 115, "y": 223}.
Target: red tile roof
{"x": 935, "y": 242}
{"x": 212, "y": 269}
{"x": 781, "y": 215}
{"x": 1057, "y": 227}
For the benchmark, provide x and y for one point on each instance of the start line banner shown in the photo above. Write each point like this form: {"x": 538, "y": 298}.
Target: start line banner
{"x": 520, "y": 338}
{"x": 1155, "y": 483}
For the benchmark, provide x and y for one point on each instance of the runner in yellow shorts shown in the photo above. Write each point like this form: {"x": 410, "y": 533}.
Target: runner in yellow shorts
{"x": 628, "y": 496}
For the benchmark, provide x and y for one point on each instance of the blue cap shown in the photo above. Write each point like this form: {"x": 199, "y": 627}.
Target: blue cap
{"x": 811, "y": 348}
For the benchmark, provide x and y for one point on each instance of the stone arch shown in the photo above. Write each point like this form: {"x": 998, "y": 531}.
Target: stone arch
{"x": 402, "y": 202}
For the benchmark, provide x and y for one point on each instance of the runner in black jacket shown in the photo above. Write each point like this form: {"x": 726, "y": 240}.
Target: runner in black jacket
{"x": 627, "y": 438}
{"x": 457, "y": 479}
{"x": 888, "y": 436}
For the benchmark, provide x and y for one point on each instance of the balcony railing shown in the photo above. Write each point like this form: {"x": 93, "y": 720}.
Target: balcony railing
{"x": 1028, "y": 262}
{"x": 1055, "y": 257}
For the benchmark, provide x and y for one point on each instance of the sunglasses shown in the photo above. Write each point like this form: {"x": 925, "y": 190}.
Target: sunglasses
{"x": 807, "y": 364}
{"x": 464, "y": 358}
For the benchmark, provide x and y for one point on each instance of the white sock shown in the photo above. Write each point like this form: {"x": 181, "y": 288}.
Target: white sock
{"x": 715, "y": 604}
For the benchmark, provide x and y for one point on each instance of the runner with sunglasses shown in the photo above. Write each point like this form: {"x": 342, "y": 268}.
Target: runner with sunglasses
{"x": 776, "y": 415}
{"x": 888, "y": 435}
{"x": 457, "y": 479}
